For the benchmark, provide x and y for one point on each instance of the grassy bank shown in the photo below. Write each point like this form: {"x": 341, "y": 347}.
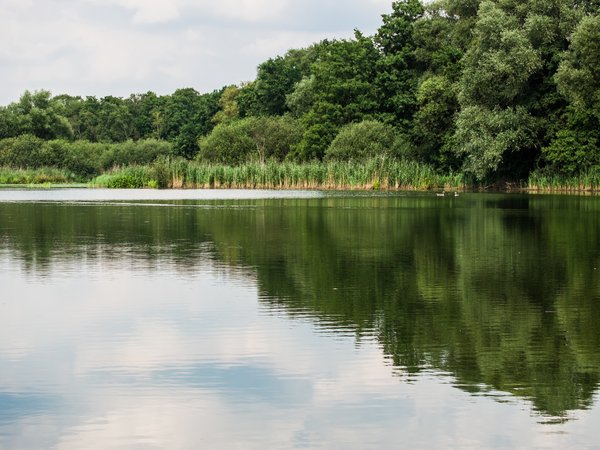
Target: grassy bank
{"x": 43, "y": 175}
{"x": 374, "y": 174}
{"x": 585, "y": 182}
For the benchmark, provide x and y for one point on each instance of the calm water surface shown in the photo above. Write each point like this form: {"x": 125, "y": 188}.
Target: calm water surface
{"x": 273, "y": 319}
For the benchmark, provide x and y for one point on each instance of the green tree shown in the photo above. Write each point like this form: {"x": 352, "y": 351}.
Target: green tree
{"x": 9, "y": 122}
{"x": 506, "y": 78}
{"x": 146, "y": 112}
{"x": 38, "y": 114}
{"x": 22, "y": 152}
{"x": 274, "y": 136}
{"x": 438, "y": 49}
{"x": 396, "y": 69}
{"x": 274, "y": 81}
{"x": 114, "y": 120}
{"x": 89, "y": 119}
{"x": 577, "y": 77}
{"x": 187, "y": 115}
{"x": 575, "y": 146}
{"x": 246, "y": 100}
{"x": 500, "y": 61}
{"x": 302, "y": 98}
{"x": 487, "y": 138}
{"x": 433, "y": 122}
{"x": 229, "y": 110}
{"x": 343, "y": 91}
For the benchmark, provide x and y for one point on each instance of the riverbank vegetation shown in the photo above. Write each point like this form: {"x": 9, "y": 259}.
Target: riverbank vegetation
{"x": 43, "y": 175}
{"x": 494, "y": 90}
{"x": 371, "y": 174}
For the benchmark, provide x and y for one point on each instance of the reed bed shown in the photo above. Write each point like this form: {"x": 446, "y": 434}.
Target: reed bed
{"x": 134, "y": 177}
{"x": 585, "y": 182}
{"x": 374, "y": 174}
{"x": 43, "y": 175}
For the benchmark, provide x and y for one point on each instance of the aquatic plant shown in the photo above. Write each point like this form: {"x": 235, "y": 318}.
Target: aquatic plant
{"x": 541, "y": 180}
{"x": 42, "y": 175}
{"x": 375, "y": 173}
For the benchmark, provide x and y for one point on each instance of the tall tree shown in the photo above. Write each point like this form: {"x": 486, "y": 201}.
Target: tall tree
{"x": 36, "y": 113}
{"x": 576, "y": 145}
{"x": 508, "y": 77}
{"x": 342, "y": 90}
{"x": 396, "y": 69}
{"x": 187, "y": 116}
{"x": 274, "y": 81}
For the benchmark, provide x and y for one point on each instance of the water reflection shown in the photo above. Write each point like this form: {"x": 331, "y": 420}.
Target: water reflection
{"x": 143, "y": 316}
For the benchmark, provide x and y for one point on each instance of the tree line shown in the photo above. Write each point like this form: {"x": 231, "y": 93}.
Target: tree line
{"x": 494, "y": 88}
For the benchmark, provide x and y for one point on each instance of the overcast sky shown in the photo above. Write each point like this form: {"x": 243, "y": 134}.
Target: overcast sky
{"x": 119, "y": 47}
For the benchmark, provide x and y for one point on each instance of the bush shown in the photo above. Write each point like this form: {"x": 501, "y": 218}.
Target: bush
{"x": 228, "y": 143}
{"x": 251, "y": 139}
{"x": 127, "y": 178}
{"x": 54, "y": 153}
{"x": 162, "y": 172}
{"x": 135, "y": 152}
{"x": 572, "y": 151}
{"x": 83, "y": 158}
{"x": 21, "y": 152}
{"x": 34, "y": 176}
{"x": 364, "y": 140}
{"x": 6, "y": 146}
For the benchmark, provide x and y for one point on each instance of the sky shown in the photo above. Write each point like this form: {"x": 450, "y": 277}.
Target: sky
{"x": 120, "y": 47}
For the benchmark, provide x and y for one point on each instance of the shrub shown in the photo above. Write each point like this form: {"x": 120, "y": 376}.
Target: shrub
{"x": 54, "y": 153}
{"x": 127, "y": 178}
{"x": 361, "y": 141}
{"x": 572, "y": 151}
{"x": 22, "y": 152}
{"x": 228, "y": 143}
{"x": 251, "y": 139}
{"x": 83, "y": 158}
{"x": 135, "y": 152}
{"x": 35, "y": 176}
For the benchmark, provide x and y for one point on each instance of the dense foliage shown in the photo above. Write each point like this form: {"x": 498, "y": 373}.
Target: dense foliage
{"x": 494, "y": 88}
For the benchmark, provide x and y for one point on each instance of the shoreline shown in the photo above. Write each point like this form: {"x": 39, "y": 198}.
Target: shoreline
{"x": 339, "y": 188}
{"x": 368, "y": 176}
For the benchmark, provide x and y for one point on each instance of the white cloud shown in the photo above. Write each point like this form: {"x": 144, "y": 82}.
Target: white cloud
{"x": 248, "y": 10}
{"x": 18, "y": 4}
{"x": 272, "y": 43}
{"x": 146, "y": 11}
{"x": 157, "y": 11}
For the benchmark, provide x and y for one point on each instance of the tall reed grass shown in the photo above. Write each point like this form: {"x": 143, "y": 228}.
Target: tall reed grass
{"x": 127, "y": 178}
{"x": 376, "y": 173}
{"x": 549, "y": 182}
{"x": 42, "y": 175}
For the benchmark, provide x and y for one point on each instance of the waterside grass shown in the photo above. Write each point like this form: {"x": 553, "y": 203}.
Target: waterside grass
{"x": 43, "y": 175}
{"x": 374, "y": 174}
{"x": 135, "y": 177}
{"x": 588, "y": 181}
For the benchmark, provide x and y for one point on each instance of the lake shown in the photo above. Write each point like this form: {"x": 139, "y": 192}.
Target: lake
{"x": 279, "y": 319}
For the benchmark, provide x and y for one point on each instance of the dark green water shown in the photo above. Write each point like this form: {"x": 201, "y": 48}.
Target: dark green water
{"x": 313, "y": 320}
